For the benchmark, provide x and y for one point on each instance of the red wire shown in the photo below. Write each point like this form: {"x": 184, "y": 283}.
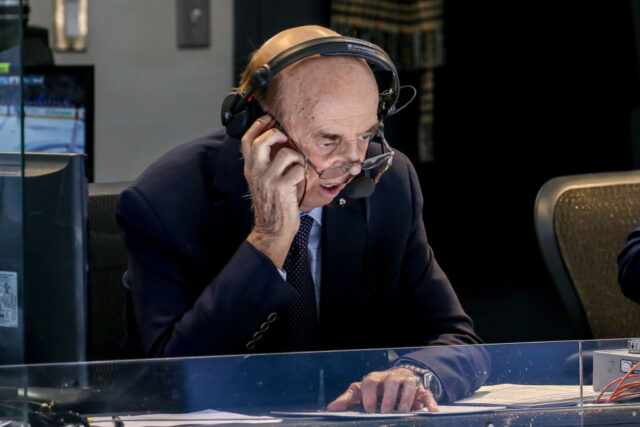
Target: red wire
{"x": 621, "y": 388}
{"x": 625, "y": 395}
{"x": 621, "y": 392}
{"x": 604, "y": 390}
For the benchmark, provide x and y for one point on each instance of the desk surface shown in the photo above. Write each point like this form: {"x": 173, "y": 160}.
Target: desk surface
{"x": 618, "y": 415}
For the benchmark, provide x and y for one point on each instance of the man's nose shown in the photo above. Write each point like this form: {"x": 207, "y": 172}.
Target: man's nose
{"x": 355, "y": 170}
{"x": 352, "y": 153}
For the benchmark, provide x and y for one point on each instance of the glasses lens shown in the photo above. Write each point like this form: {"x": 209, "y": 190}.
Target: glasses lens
{"x": 335, "y": 172}
{"x": 374, "y": 162}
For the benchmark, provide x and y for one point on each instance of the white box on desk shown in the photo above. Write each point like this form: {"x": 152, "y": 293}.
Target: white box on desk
{"x": 609, "y": 365}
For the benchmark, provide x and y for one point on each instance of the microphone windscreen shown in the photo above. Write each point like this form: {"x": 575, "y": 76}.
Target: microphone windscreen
{"x": 361, "y": 186}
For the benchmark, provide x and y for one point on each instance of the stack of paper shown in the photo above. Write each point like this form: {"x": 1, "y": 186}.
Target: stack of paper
{"x": 208, "y": 417}
{"x": 515, "y": 395}
{"x": 444, "y": 410}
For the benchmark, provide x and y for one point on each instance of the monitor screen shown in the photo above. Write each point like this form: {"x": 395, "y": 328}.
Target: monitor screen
{"x": 58, "y": 107}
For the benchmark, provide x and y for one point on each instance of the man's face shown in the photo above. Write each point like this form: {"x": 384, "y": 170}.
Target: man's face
{"x": 330, "y": 111}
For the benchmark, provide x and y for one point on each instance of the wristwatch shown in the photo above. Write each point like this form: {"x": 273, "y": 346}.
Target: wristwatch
{"x": 429, "y": 379}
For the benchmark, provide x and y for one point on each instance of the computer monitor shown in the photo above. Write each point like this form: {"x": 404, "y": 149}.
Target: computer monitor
{"x": 54, "y": 315}
{"x": 58, "y": 107}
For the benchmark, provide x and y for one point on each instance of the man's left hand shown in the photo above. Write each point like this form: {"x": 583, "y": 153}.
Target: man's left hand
{"x": 395, "y": 388}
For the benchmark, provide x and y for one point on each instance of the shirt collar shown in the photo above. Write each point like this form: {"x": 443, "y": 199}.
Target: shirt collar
{"x": 315, "y": 213}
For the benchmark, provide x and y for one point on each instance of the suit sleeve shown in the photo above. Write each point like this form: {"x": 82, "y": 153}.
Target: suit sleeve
{"x": 175, "y": 317}
{"x": 435, "y": 308}
{"x": 629, "y": 266}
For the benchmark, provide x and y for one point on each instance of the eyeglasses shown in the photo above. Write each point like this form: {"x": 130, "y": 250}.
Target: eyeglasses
{"x": 333, "y": 172}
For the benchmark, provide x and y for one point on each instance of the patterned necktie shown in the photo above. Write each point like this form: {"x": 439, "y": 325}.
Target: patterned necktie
{"x": 302, "y": 313}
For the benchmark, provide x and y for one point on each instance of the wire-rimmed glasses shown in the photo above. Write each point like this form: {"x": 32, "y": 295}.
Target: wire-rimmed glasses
{"x": 333, "y": 172}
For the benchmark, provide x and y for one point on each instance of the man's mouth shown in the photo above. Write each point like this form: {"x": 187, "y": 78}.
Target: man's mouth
{"x": 332, "y": 189}
{"x": 330, "y": 185}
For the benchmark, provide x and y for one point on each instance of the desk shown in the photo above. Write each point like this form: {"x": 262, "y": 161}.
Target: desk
{"x": 260, "y": 384}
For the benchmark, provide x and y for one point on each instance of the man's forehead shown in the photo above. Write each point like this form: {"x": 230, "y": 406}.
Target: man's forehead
{"x": 334, "y": 79}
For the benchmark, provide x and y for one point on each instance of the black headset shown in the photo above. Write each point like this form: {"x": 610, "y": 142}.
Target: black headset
{"x": 240, "y": 110}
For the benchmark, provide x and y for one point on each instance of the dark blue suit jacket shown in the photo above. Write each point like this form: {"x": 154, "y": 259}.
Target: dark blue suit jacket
{"x": 199, "y": 288}
{"x": 629, "y": 266}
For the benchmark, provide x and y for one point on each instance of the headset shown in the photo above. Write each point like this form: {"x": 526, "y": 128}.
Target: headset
{"x": 240, "y": 110}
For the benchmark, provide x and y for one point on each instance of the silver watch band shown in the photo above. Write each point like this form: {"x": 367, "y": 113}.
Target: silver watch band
{"x": 429, "y": 379}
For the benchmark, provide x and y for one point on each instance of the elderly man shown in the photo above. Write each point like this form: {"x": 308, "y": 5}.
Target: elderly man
{"x": 213, "y": 271}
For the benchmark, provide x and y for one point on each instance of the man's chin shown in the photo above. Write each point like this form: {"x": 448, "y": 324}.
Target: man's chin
{"x": 321, "y": 196}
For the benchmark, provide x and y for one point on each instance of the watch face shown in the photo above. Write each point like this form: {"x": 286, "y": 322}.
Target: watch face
{"x": 431, "y": 384}
{"x": 427, "y": 379}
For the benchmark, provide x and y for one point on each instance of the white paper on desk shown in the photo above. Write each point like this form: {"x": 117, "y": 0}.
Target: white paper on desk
{"x": 518, "y": 394}
{"x": 459, "y": 409}
{"x": 207, "y": 417}
{"x": 343, "y": 414}
{"x": 444, "y": 410}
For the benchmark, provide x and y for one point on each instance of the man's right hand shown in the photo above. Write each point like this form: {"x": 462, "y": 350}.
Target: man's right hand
{"x": 273, "y": 172}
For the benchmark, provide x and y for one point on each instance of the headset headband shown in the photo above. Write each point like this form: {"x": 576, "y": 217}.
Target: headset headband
{"x": 326, "y": 46}
{"x": 329, "y": 46}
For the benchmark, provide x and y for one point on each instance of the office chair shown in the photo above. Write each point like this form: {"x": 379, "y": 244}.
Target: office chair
{"x": 107, "y": 263}
{"x": 582, "y": 222}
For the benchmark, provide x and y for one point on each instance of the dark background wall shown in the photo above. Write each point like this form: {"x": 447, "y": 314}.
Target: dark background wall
{"x": 529, "y": 91}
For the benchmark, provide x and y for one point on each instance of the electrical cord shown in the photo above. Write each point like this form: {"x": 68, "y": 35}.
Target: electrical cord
{"x": 622, "y": 390}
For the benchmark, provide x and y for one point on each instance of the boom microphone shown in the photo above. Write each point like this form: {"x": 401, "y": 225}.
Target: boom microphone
{"x": 359, "y": 187}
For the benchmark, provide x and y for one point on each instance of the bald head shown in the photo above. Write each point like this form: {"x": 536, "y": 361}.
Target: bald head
{"x": 287, "y": 38}
{"x": 308, "y": 79}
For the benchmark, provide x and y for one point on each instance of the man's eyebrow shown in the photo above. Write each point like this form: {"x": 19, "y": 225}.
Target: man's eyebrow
{"x": 331, "y": 136}
{"x": 335, "y": 136}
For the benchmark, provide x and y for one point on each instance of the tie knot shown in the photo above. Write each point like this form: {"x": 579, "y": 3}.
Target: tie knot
{"x": 302, "y": 236}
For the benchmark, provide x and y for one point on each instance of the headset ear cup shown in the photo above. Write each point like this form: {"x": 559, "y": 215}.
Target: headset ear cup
{"x": 238, "y": 125}
{"x": 229, "y": 116}
{"x": 237, "y": 118}
{"x": 254, "y": 112}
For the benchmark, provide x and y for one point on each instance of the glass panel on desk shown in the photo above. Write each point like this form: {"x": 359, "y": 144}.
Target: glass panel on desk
{"x": 521, "y": 376}
{"x": 12, "y": 329}
{"x": 532, "y": 382}
{"x": 11, "y": 186}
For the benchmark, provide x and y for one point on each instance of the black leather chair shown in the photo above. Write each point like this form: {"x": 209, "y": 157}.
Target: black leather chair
{"x": 107, "y": 263}
{"x": 582, "y": 222}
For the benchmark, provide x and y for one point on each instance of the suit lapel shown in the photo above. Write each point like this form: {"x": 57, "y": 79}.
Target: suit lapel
{"x": 342, "y": 289}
